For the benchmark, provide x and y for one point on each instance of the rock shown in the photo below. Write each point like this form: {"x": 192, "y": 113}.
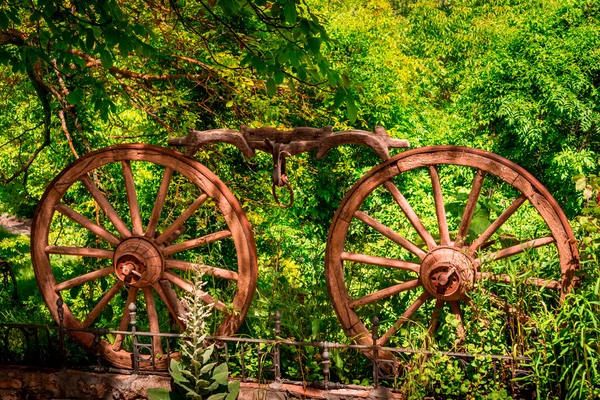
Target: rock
{"x": 11, "y": 384}
{"x": 15, "y": 225}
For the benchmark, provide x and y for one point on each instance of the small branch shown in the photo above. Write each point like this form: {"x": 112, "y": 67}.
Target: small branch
{"x": 19, "y": 136}
{"x": 63, "y": 123}
{"x": 42, "y": 91}
{"x": 94, "y": 62}
{"x": 139, "y": 103}
{"x": 12, "y": 36}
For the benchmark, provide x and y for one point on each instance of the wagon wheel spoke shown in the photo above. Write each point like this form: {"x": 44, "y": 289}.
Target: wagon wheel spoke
{"x": 390, "y": 234}
{"x": 108, "y": 210}
{"x": 192, "y": 243}
{"x": 543, "y": 283}
{"x": 460, "y": 329}
{"x": 80, "y": 280}
{"x": 152, "y": 318}
{"x": 487, "y": 234}
{"x": 381, "y": 261}
{"x": 86, "y": 223}
{"x": 384, "y": 293}
{"x": 434, "y": 322}
{"x": 404, "y": 318}
{"x": 125, "y": 318}
{"x": 102, "y": 304}
{"x": 160, "y": 201}
{"x": 205, "y": 269}
{"x": 80, "y": 251}
{"x": 410, "y": 215}
{"x": 185, "y": 285}
{"x": 181, "y": 219}
{"x": 134, "y": 208}
{"x": 514, "y": 250}
{"x": 440, "y": 210}
{"x": 465, "y": 222}
{"x": 169, "y": 297}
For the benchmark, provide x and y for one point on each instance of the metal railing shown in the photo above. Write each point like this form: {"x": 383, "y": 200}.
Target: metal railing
{"x": 39, "y": 344}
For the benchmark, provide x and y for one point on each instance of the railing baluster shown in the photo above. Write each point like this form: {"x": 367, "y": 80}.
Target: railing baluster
{"x": 132, "y": 322}
{"x": 326, "y": 363}
{"x": 61, "y": 332}
{"x": 374, "y": 337}
{"x": 276, "y": 353}
{"x": 243, "y": 362}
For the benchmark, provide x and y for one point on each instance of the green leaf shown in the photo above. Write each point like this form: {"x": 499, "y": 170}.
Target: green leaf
{"x": 332, "y": 78}
{"x": 221, "y": 378}
{"x": 314, "y": 44}
{"x": 220, "y": 369}
{"x": 159, "y": 394}
{"x": 74, "y": 292}
{"x": 271, "y": 87}
{"x": 4, "y": 57}
{"x": 90, "y": 39}
{"x": 108, "y": 313}
{"x": 60, "y": 45}
{"x": 175, "y": 371}
{"x": 278, "y": 76}
{"x": 234, "y": 390}
{"x": 289, "y": 12}
{"x": 75, "y": 97}
{"x": 316, "y": 327}
{"x": 139, "y": 29}
{"x": 103, "y": 285}
{"x": 213, "y": 386}
{"x": 207, "y": 368}
{"x": 14, "y": 17}
{"x": 207, "y": 353}
{"x": 351, "y": 108}
{"x": 304, "y": 26}
{"x": 217, "y": 396}
{"x": 259, "y": 65}
{"x": 147, "y": 50}
{"x": 339, "y": 98}
{"x": 35, "y": 16}
{"x": 106, "y": 59}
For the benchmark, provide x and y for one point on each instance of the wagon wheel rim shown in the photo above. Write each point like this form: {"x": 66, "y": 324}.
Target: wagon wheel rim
{"x": 142, "y": 257}
{"x": 447, "y": 269}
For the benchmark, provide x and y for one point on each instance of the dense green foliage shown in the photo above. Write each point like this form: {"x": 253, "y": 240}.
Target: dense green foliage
{"x": 517, "y": 78}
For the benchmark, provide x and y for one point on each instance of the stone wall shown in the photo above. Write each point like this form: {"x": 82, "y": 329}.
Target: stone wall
{"x": 18, "y": 383}
{"x": 30, "y": 383}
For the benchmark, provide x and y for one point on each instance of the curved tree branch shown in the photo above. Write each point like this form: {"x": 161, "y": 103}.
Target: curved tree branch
{"x": 43, "y": 93}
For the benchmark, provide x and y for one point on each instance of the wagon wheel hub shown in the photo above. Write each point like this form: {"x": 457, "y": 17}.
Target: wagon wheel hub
{"x": 447, "y": 273}
{"x": 138, "y": 262}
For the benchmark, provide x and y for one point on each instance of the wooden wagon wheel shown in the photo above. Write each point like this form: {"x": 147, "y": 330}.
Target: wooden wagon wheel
{"x": 95, "y": 228}
{"x": 437, "y": 257}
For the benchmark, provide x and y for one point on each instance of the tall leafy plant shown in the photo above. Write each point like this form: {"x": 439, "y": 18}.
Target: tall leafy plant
{"x": 197, "y": 376}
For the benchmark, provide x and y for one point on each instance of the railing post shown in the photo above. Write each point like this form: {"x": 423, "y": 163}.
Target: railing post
{"x": 375, "y": 337}
{"x": 326, "y": 363}
{"x": 276, "y": 354}
{"x": 133, "y": 321}
{"x": 96, "y": 347}
{"x": 61, "y": 331}
{"x": 243, "y": 362}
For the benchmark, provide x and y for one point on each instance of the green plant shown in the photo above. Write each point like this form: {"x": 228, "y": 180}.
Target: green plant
{"x": 197, "y": 375}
